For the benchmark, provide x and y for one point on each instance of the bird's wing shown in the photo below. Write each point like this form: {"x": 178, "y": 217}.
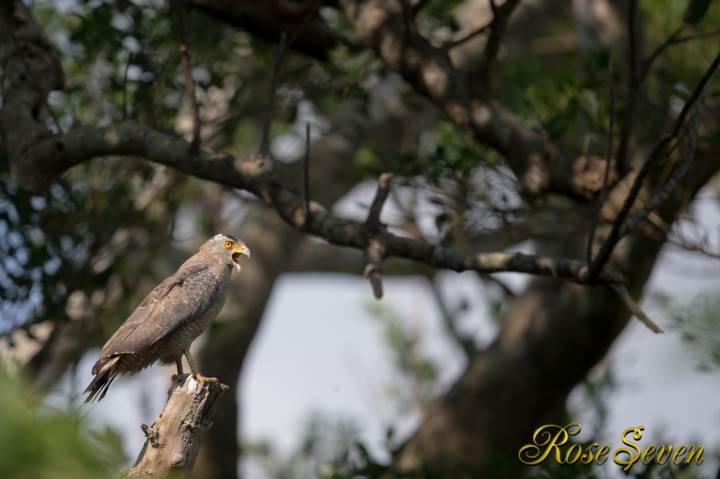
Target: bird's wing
{"x": 186, "y": 295}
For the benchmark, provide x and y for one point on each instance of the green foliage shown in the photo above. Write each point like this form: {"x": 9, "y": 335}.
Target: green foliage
{"x": 417, "y": 383}
{"x": 31, "y": 261}
{"x": 696, "y": 11}
{"x": 58, "y": 243}
{"x": 326, "y": 450}
{"x": 41, "y": 444}
{"x": 699, "y": 325}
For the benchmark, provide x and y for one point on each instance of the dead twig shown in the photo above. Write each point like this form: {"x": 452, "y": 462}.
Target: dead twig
{"x": 675, "y": 39}
{"x": 374, "y": 255}
{"x": 604, "y": 190}
{"x": 124, "y": 87}
{"x": 659, "y": 151}
{"x": 633, "y": 85}
{"x": 498, "y": 25}
{"x": 466, "y": 343}
{"x": 283, "y": 47}
{"x": 189, "y": 82}
{"x": 375, "y": 250}
{"x": 456, "y": 43}
{"x": 373, "y": 224}
{"x": 677, "y": 173}
{"x": 306, "y": 177}
{"x": 634, "y": 308}
{"x": 270, "y": 114}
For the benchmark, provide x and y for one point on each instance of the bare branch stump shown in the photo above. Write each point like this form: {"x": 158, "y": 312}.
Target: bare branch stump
{"x": 174, "y": 440}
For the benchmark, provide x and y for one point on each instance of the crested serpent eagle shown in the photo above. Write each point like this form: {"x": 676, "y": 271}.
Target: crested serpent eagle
{"x": 169, "y": 319}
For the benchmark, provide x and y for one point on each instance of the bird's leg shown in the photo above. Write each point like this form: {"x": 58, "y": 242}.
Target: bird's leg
{"x": 180, "y": 376}
{"x": 194, "y": 369}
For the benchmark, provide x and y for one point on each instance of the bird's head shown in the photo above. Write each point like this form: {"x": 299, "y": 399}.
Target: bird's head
{"x": 227, "y": 247}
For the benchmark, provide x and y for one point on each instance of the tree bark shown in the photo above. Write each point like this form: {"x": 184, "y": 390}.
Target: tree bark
{"x": 174, "y": 439}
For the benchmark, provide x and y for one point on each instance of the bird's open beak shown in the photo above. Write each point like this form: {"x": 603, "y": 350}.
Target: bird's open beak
{"x": 239, "y": 249}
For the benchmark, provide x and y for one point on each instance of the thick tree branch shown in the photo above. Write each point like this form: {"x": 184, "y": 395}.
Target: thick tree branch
{"x": 30, "y": 71}
{"x": 37, "y": 162}
{"x": 538, "y": 164}
{"x": 498, "y": 26}
{"x": 47, "y": 159}
{"x": 270, "y": 18}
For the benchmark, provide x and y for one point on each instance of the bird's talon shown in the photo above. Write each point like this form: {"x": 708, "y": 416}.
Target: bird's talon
{"x": 204, "y": 379}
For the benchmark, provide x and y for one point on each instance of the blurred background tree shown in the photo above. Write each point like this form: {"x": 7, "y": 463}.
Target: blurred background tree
{"x": 495, "y": 119}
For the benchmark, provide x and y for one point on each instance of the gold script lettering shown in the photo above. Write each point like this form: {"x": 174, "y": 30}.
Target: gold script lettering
{"x": 632, "y": 458}
{"x": 547, "y": 439}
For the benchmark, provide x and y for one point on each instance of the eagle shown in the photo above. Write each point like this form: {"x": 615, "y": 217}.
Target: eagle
{"x": 171, "y": 316}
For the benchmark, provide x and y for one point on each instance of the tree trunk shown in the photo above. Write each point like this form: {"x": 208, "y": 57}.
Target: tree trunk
{"x": 550, "y": 337}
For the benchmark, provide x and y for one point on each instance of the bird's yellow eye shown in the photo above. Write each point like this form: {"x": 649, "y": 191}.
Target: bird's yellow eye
{"x": 228, "y": 244}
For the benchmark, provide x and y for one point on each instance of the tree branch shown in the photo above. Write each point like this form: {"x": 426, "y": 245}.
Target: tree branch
{"x": 466, "y": 38}
{"x": 274, "y": 84}
{"x": 375, "y": 250}
{"x": 466, "y": 342}
{"x": 498, "y": 26}
{"x": 373, "y": 223}
{"x": 46, "y": 160}
{"x": 173, "y": 441}
{"x": 38, "y": 161}
{"x": 270, "y": 18}
{"x": 633, "y": 307}
{"x": 604, "y": 190}
{"x": 634, "y": 80}
{"x": 374, "y": 254}
{"x": 658, "y": 152}
{"x": 538, "y": 163}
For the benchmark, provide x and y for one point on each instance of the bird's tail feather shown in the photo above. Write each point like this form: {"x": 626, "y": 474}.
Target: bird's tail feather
{"x": 105, "y": 371}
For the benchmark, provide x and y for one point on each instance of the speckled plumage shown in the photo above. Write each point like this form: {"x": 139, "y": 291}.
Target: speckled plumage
{"x": 169, "y": 319}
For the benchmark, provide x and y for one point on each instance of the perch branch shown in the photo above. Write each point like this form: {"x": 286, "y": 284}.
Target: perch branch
{"x": 173, "y": 441}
